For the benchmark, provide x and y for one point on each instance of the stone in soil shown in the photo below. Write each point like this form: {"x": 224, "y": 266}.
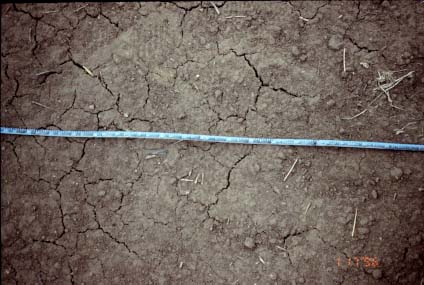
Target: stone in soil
{"x": 331, "y": 103}
{"x": 273, "y": 276}
{"x": 249, "y": 243}
{"x": 218, "y": 93}
{"x": 295, "y": 51}
{"x": 377, "y": 274}
{"x": 396, "y": 173}
{"x": 335, "y": 42}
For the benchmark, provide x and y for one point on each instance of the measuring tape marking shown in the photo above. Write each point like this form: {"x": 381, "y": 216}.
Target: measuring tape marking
{"x": 211, "y": 138}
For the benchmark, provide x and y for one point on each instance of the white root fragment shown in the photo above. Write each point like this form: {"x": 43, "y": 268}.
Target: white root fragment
{"x": 291, "y": 169}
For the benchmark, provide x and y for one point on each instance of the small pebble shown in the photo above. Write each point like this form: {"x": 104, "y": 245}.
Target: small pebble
{"x": 342, "y": 131}
{"x": 126, "y": 115}
{"x": 295, "y": 51}
{"x": 348, "y": 209}
{"x": 218, "y": 93}
{"x": 249, "y": 243}
{"x": 91, "y": 107}
{"x": 281, "y": 155}
{"x": 331, "y": 103}
{"x": 365, "y": 64}
{"x": 273, "y": 276}
{"x": 396, "y": 173}
{"x": 303, "y": 57}
{"x": 181, "y": 116}
{"x": 335, "y": 42}
{"x": 102, "y": 193}
{"x": 364, "y": 221}
{"x": 363, "y": 231}
{"x": 255, "y": 167}
{"x": 421, "y": 189}
{"x": 116, "y": 59}
{"x": 374, "y": 194}
{"x": 385, "y": 4}
{"x": 414, "y": 240}
{"x": 377, "y": 274}
{"x": 343, "y": 220}
{"x": 406, "y": 55}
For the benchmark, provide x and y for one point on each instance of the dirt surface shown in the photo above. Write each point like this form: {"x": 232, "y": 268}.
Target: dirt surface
{"x": 124, "y": 211}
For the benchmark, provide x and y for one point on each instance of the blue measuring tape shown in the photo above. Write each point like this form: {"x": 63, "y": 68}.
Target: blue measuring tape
{"x": 212, "y": 139}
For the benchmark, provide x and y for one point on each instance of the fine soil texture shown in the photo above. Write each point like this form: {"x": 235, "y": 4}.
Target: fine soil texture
{"x": 133, "y": 211}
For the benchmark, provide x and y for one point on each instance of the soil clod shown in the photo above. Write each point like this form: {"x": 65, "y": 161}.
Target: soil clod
{"x": 249, "y": 243}
{"x": 335, "y": 42}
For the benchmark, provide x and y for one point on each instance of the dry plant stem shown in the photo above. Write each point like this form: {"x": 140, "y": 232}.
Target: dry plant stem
{"x": 354, "y": 222}
{"x": 357, "y": 115}
{"x": 391, "y": 85}
{"x": 230, "y": 17}
{"x": 41, "y": 105}
{"x": 389, "y": 98}
{"x": 344, "y": 60}
{"x": 216, "y": 8}
{"x": 307, "y": 208}
{"x": 82, "y": 7}
{"x": 291, "y": 169}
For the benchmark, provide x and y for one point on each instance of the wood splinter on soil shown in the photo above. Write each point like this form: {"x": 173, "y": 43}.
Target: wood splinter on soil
{"x": 51, "y": 12}
{"x": 344, "y": 60}
{"x": 307, "y": 208}
{"x": 354, "y": 222}
{"x": 291, "y": 169}
{"x": 44, "y": 72}
{"x": 80, "y": 8}
{"x": 41, "y": 105}
{"x": 231, "y": 17}
{"x": 216, "y": 8}
{"x": 88, "y": 71}
{"x": 197, "y": 179}
{"x": 281, "y": 248}
{"x": 357, "y": 115}
{"x": 150, "y": 156}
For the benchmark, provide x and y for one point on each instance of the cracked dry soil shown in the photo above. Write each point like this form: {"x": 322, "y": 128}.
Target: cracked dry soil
{"x": 96, "y": 211}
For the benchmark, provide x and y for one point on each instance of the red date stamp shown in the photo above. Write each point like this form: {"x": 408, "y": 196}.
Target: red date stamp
{"x": 358, "y": 261}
